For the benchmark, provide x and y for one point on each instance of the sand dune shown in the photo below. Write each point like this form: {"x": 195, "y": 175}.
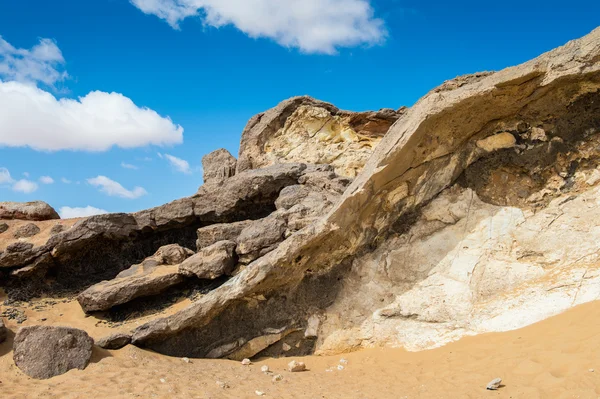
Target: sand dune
{"x": 551, "y": 359}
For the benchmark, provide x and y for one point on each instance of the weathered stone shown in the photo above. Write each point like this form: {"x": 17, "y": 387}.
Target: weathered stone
{"x": 57, "y": 228}
{"x": 211, "y": 262}
{"x": 494, "y": 384}
{"x": 114, "y": 341}
{"x": 26, "y": 231}
{"x": 260, "y": 237}
{"x": 302, "y": 129}
{"x": 35, "y": 211}
{"x": 3, "y": 331}
{"x": 255, "y": 346}
{"x": 218, "y": 166}
{"x": 295, "y": 366}
{"x": 44, "y": 352}
{"x": 497, "y": 142}
{"x": 3, "y": 227}
{"x": 214, "y": 233}
{"x": 154, "y": 275}
{"x": 290, "y": 196}
{"x": 312, "y": 328}
{"x": 19, "y": 246}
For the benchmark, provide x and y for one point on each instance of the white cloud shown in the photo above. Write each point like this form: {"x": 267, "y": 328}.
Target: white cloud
{"x": 32, "y": 117}
{"x": 115, "y": 189}
{"x": 313, "y": 26}
{"x": 26, "y": 174}
{"x": 65, "y": 180}
{"x": 25, "y": 186}
{"x": 46, "y": 180}
{"x": 179, "y": 164}
{"x": 41, "y": 64}
{"x": 5, "y": 177}
{"x": 67, "y": 212}
{"x": 128, "y": 166}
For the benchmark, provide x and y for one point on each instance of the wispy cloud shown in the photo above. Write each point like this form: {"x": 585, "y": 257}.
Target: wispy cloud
{"x": 46, "y": 180}
{"x": 313, "y": 26}
{"x": 5, "y": 177}
{"x": 65, "y": 180}
{"x": 180, "y": 165}
{"x": 67, "y": 212}
{"x": 115, "y": 189}
{"x": 128, "y": 166}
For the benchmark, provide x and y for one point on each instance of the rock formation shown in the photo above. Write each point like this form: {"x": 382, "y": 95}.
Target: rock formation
{"x": 476, "y": 211}
{"x": 303, "y": 129}
{"x": 36, "y": 210}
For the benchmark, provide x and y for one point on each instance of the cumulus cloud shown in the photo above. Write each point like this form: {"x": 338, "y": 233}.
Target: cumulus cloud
{"x": 46, "y": 180}
{"x": 43, "y": 63}
{"x": 25, "y": 186}
{"x": 32, "y": 117}
{"x": 128, "y": 166}
{"x": 67, "y": 212}
{"x": 313, "y": 26}
{"x": 115, "y": 189}
{"x": 180, "y": 165}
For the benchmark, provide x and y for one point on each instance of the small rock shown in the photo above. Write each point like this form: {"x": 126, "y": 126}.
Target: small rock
{"x": 56, "y": 229}
{"x": 591, "y": 370}
{"x": 3, "y": 227}
{"x": 340, "y": 367}
{"x": 594, "y": 178}
{"x": 277, "y": 377}
{"x": 246, "y": 362}
{"x": 222, "y": 384}
{"x": 343, "y": 361}
{"x": 295, "y": 366}
{"x": 186, "y": 359}
{"x": 494, "y": 384}
{"x": 264, "y": 369}
{"x": 259, "y": 393}
{"x": 114, "y": 341}
{"x": 3, "y": 332}
{"x": 163, "y": 380}
{"x": 26, "y": 231}
{"x": 286, "y": 347}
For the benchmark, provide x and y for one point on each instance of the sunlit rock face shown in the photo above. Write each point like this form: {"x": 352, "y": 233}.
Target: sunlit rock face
{"x": 302, "y": 129}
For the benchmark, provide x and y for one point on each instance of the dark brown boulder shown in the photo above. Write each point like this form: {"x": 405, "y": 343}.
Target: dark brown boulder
{"x": 44, "y": 352}
{"x": 26, "y": 231}
{"x": 3, "y": 331}
{"x": 114, "y": 341}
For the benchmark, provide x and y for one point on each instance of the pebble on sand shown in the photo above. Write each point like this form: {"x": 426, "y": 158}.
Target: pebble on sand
{"x": 246, "y": 362}
{"x": 264, "y": 369}
{"x": 295, "y": 366}
{"x": 222, "y": 384}
{"x": 277, "y": 377}
{"x": 259, "y": 393}
{"x": 494, "y": 384}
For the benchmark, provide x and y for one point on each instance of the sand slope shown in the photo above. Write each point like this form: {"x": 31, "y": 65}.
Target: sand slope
{"x": 550, "y": 359}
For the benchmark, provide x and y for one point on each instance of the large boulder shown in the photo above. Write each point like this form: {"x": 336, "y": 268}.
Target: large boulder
{"x": 214, "y": 233}
{"x": 154, "y": 275}
{"x": 36, "y": 211}
{"x": 44, "y": 352}
{"x": 218, "y": 166}
{"x": 302, "y": 129}
{"x": 211, "y": 262}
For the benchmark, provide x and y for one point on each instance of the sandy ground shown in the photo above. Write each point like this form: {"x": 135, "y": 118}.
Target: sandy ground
{"x": 551, "y": 359}
{"x": 39, "y": 239}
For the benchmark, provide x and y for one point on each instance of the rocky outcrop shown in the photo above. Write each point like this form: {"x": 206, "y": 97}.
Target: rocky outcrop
{"x": 303, "y": 129}
{"x": 36, "y": 210}
{"x": 218, "y": 166}
{"x": 153, "y": 276}
{"x": 26, "y": 231}
{"x": 460, "y": 133}
{"x": 45, "y": 352}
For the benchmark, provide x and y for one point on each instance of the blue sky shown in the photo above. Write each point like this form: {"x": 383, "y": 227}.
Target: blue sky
{"x": 209, "y": 65}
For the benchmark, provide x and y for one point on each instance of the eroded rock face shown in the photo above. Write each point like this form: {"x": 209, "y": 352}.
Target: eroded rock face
{"x": 45, "y": 352}
{"x": 154, "y": 275}
{"x": 36, "y": 210}
{"x": 303, "y": 129}
{"x": 212, "y": 234}
{"x": 427, "y": 150}
{"x": 218, "y": 166}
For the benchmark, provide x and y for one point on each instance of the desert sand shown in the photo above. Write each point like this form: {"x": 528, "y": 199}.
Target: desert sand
{"x": 550, "y": 359}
